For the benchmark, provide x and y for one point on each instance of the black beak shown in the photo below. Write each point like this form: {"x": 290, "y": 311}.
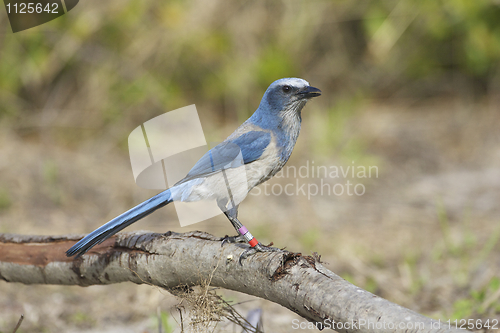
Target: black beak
{"x": 309, "y": 92}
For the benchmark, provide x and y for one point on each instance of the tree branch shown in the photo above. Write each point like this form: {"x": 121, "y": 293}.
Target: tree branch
{"x": 299, "y": 283}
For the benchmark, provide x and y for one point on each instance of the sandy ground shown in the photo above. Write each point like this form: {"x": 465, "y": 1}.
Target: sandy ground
{"x": 424, "y": 234}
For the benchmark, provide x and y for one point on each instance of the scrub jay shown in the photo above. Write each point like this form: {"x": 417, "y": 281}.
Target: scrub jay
{"x": 258, "y": 149}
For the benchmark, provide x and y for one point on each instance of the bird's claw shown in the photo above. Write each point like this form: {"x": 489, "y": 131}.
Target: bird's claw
{"x": 233, "y": 239}
{"x": 257, "y": 248}
{"x": 250, "y": 251}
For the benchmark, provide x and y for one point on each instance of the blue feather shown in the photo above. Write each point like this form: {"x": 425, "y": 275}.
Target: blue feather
{"x": 120, "y": 222}
{"x": 251, "y": 145}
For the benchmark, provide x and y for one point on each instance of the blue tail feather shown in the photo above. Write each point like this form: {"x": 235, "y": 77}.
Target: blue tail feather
{"x": 120, "y": 222}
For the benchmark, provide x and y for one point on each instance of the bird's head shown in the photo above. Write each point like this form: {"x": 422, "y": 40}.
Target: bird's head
{"x": 288, "y": 95}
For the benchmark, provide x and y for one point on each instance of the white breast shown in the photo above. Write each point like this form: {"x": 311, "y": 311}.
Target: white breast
{"x": 233, "y": 183}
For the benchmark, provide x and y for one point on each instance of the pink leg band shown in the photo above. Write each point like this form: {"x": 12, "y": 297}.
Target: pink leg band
{"x": 242, "y": 230}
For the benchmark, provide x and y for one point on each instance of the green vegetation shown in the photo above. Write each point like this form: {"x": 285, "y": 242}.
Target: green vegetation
{"x": 166, "y": 326}
{"x": 5, "y": 200}
{"x": 350, "y": 49}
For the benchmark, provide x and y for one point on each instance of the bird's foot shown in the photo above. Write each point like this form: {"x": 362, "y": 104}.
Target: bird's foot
{"x": 233, "y": 239}
{"x": 257, "y": 248}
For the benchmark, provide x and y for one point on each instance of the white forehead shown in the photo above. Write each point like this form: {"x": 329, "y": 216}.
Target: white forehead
{"x": 291, "y": 81}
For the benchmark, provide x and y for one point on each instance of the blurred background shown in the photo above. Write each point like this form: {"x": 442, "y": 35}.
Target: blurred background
{"x": 410, "y": 87}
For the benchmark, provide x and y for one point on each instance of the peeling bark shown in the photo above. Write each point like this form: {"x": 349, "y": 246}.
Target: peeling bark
{"x": 172, "y": 260}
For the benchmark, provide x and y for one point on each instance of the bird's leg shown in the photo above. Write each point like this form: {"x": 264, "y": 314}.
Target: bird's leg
{"x": 232, "y": 217}
{"x": 245, "y": 235}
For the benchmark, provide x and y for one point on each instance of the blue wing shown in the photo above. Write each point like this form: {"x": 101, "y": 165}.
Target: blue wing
{"x": 251, "y": 145}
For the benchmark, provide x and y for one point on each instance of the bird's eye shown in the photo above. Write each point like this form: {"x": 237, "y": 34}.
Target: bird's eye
{"x": 286, "y": 89}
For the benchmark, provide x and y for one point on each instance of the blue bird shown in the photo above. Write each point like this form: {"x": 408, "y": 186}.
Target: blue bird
{"x": 258, "y": 149}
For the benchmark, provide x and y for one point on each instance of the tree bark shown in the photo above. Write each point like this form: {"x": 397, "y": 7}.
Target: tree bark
{"x": 172, "y": 260}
